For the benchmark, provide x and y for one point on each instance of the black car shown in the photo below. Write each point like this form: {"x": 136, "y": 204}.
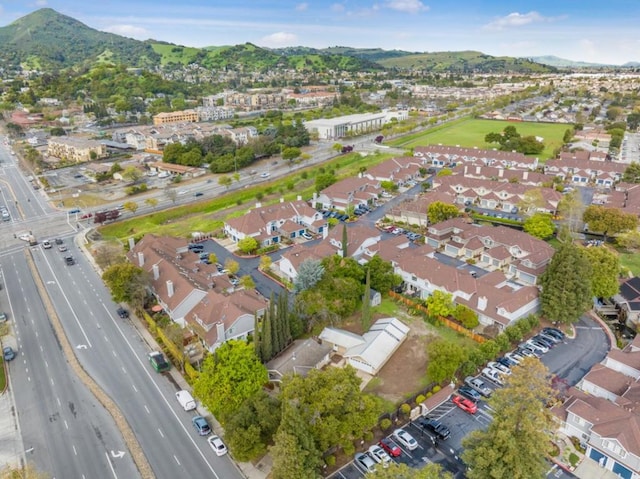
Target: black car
{"x": 555, "y": 332}
{"x": 195, "y": 247}
{"x": 69, "y": 260}
{"x": 544, "y": 341}
{"x": 435, "y": 427}
{"x": 506, "y": 362}
{"x": 123, "y": 313}
{"x": 469, "y": 393}
{"x": 59, "y": 241}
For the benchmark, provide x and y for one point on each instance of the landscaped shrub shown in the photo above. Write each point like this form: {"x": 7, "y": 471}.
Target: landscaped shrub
{"x": 503, "y": 343}
{"x": 533, "y": 322}
{"x": 385, "y": 424}
{"x": 573, "y": 459}
{"x": 330, "y": 460}
{"x": 436, "y": 388}
{"x": 368, "y": 436}
{"x": 420, "y": 399}
{"x": 349, "y": 449}
{"x": 405, "y": 408}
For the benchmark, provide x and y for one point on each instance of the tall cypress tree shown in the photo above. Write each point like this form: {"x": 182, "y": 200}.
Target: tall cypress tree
{"x": 345, "y": 241}
{"x": 286, "y": 319}
{"x": 275, "y": 340}
{"x": 267, "y": 344}
{"x": 256, "y": 337}
{"x": 366, "y": 303}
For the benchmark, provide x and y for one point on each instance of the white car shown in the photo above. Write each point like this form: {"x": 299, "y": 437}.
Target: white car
{"x": 46, "y": 244}
{"x": 379, "y": 455}
{"x": 536, "y": 346}
{"x": 182, "y": 192}
{"x": 266, "y": 174}
{"x": 306, "y": 236}
{"x": 406, "y": 439}
{"x": 515, "y": 357}
{"x": 217, "y": 445}
{"x": 501, "y": 368}
{"x": 493, "y": 375}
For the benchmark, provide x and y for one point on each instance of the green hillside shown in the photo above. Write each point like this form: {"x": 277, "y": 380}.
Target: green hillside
{"x": 464, "y": 62}
{"x": 47, "y": 39}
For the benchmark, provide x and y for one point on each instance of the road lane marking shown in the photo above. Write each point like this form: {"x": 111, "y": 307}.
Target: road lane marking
{"x": 74, "y": 450}
{"x": 134, "y": 388}
{"x": 65, "y": 424}
{"x": 46, "y": 364}
{"x": 174, "y": 456}
{"x": 111, "y": 466}
{"x": 59, "y": 403}
{"x": 161, "y": 434}
{"x": 147, "y": 409}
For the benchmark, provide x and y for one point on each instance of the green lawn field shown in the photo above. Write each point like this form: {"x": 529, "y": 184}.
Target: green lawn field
{"x": 471, "y": 132}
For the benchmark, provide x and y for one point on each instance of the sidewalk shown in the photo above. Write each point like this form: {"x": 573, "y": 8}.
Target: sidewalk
{"x": 12, "y": 449}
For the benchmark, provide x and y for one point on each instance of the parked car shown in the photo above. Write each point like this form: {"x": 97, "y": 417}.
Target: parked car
{"x": 549, "y": 337}
{"x": 390, "y": 447}
{"x": 544, "y": 341}
{"x": 505, "y": 361}
{"x": 201, "y": 425}
{"x": 465, "y": 404}
{"x": 514, "y": 357}
{"x": 469, "y": 393}
{"x": 379, "y": 455}
{"x": 478, "y": 385}
{"x": 364, "y": 463}
{"x": 217, "y": 445}
{"x": 555, "y": 332}
{"x": 123, "y": 313}
{"x": 434, "y": 426}
{"x": 406, "y": 439}
{"x": 499, "y": 367}
{"x": 8, "y": 353}
{"x": 3, "y": 317}
{"x": 536, "y": 346}
{"x": 307, "y": 236}
{"x": 525, "y": 350}
{"x": 493, "y": 375}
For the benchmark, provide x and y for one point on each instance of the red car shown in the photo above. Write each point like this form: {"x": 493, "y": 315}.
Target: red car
{"x": 465, "y": 404}
{"x": 389, "y": 446}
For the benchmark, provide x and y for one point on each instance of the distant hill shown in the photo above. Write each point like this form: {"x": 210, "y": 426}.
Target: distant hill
{"x": 371, "y": 54}
{"x": 251, "y": 57}
{"x": 464, "y": 62}
{"x": 564, "y": 63}
{"x": 46, "y": 39}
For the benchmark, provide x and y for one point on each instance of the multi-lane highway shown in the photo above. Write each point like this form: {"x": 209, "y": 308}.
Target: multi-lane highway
{"x": 67, "y": 431}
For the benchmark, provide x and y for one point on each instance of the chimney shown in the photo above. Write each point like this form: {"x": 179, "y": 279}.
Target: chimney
{"x": 140, "y": 259}
{"x": 315, "y": 196}
{"x": 258, "y": 205}
{"x": 169, "y": 288}
{"x": 156, "y": 272}
{"x": 500, "y": 173}
{"x": 132, "y": 243}
{"x": 525, "y": 175}
{"x": 299, "y": 198}
{"x": 482, "y": 303}
{"x": 281, "y": 200}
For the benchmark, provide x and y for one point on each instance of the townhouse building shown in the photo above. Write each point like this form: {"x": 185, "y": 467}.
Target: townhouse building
{"x": 78, "y": 150}
{"x": 349, "y": 192}
{"x": 586, "y": 168}
{"x": 450, "y": 156}
{"x": 184, "y": 116}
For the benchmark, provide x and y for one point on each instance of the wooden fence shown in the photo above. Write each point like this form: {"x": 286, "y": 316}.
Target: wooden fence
{"x": 444, "y": 321}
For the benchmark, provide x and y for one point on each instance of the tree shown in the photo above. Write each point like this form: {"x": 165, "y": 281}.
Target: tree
{"x": 566, "y": 288}
{"x": 324, "y": 180}
{"x": 265, "y": 262}
{"x": 108, "y": 254}
{"x": 151, "y": 202}
{"x": 467, "y": 316}
{"x": 440, "y": 304}
{"x": 310, "y": 273}
{"x": 515, "y": 444}
{"x": 232, "y": 266}
{"x": 403, "y": 471}
{"x": 250, "y": 429}
{"x": 131, "y": 206}
{"x": 539, "y": 225}
{"x": 248, "y": 244}
{"x": 571, "y": 209}
{"x": 225, "y": 181}
{"x": 439, "y": 211}
{"x": 632, "y": 173}
{"x": 609, "y": 221}
{"x": 445, "y": 172}
{"x": 213, "y": 258}
{"x": 294, "y": 453}
{"x": 171, "y": 194}
{"x": 247, "y": 282}
{"x": 28, "y": 471}
{"x": 331, "y": 403}
{"x": 383, "y": 279}
{"x": 605, "y": 269}
{"x": 531, "y": 202}
{"x": 228, "y": 377}
{"x": 445, "y": 357}
{"x": 131, "y": 173}
{"x": 291, "y": 154}
{"x": 127, "y": 283}
{"x": 345, "y": 241}
{"x": 629, "y": 240}
{"x": 366, "y": 303}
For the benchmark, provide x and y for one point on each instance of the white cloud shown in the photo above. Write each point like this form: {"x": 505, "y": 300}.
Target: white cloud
{"x": 301, "y": 7}
{"x": 128, "y": 31}
{"x": 337, "y": 8}
{"x": 516, "y": 19}
{"x": 279, "y": 39}
{"x": 408, "y": 6}
{"x": 41, "y": 3}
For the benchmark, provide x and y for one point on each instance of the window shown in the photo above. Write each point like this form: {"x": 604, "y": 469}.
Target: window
{"x": 614, "y": 447}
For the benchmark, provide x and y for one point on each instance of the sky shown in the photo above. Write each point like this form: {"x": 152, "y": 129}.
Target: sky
{"x": 589, "y": 31}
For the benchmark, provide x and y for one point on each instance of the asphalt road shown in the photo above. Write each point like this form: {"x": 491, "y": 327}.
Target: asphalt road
{"x": 113, "y": 353}
{"x": 66, "y": 430}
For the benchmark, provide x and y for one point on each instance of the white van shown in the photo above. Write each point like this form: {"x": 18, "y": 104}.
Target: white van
{"x": 186, "y": 400}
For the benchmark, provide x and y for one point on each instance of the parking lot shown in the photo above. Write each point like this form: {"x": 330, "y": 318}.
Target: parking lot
{"x": 570, "y": 360}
